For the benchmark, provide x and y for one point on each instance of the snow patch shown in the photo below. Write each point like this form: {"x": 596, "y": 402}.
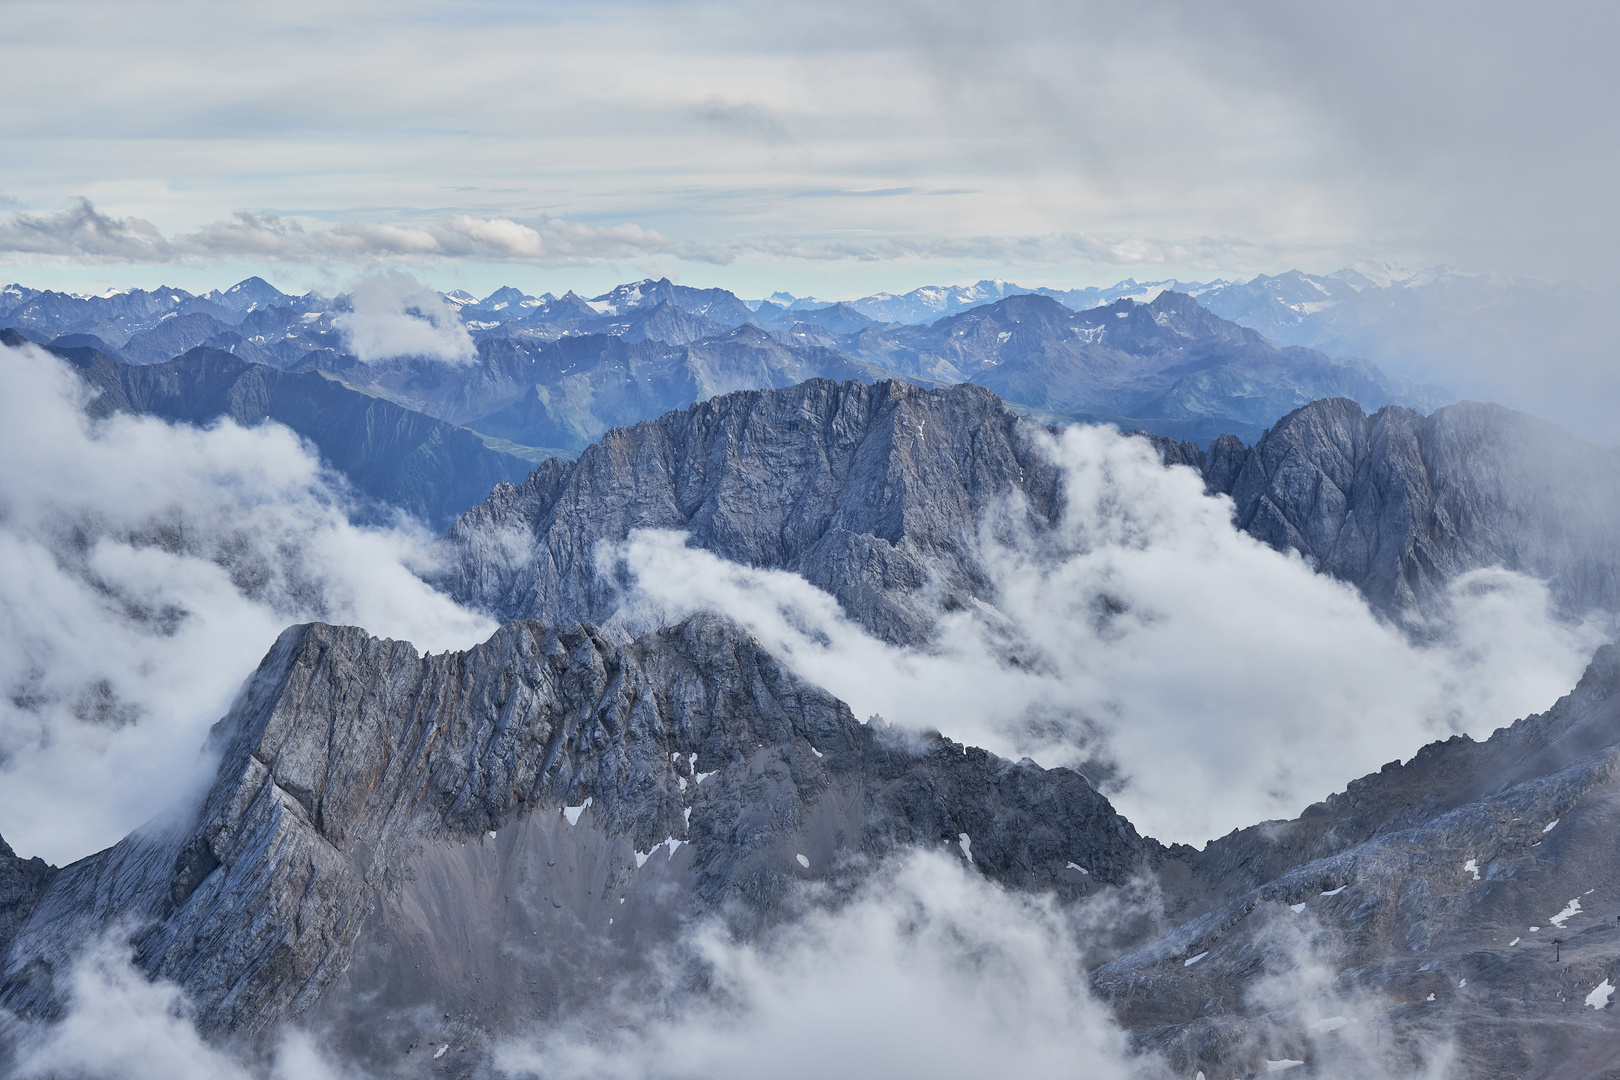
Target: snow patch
{"x": 1336, "y": 892}
{"x": 1549, "y": 826}
{"x": 816, "y": 752}
{"x": 1471, "y": 867}
{"x": 1512, "y": 943}
{"x": 966, "y": 844}
{"x": 440, "y": 1052}
{"x": 1429, "y": 998}
{"x": 1191, "y": 960}
{"x": 1077, "y": 866}
{"x": 1297, "y": 908}
{"x": 1599, "y": 997}
{"x": 698, "y": 778}
{"x": 572, "y": 813}
{"x": 491, "y": 834}
{"x": 1571, "y": 908}
{"x": 804, "y": 862}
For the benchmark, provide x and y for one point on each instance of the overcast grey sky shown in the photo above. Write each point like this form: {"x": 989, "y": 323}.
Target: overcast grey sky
{"x": 830, "y": 148}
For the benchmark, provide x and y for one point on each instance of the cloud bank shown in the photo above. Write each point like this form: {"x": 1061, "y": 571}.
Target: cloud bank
{"x": 145, "y": 568}
{"x": 932, "y": 971}
{"x": 927, "y": 969}
{"x": 1204, "y": 680}
{"x": 83, "y": 233}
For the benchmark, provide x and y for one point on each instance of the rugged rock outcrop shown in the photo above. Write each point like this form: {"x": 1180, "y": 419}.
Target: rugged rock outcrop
{"x": 21, "y": 883}
{"x": 1400, "y": 504}
{"x": 387, "y": 834}
{"x": 1426, "y": 896}
{"x": 875, "y": 493}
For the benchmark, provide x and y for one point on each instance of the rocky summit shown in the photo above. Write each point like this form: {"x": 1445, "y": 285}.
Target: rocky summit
{"x": 405, "y": 848}
{"x": 1401, "y": 504}
{"x": 872, "y": 492}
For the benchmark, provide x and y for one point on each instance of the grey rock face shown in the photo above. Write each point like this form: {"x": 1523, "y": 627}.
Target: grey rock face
{"x": 1431, "y": 891}
{"x": 373, "y": 805}
{"x": 21, "y": 883}
{"x": 874, "y": 493}
{"x": 1400, "y": 504}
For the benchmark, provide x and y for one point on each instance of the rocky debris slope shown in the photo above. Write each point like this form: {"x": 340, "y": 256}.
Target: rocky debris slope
{"x": 1427, "y": 898}
{"x": 461, "y": 838}
{"x": 874, "y": 493}
{"x": 1400, "y": 504}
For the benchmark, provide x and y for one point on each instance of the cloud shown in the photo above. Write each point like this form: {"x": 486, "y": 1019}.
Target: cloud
{"x": 1203, "y": 252}
{"x": 118, "y": 1025}
{"x": 394, "y": 315}
{"x": 145, "y": 568}
{"x": 929, "y": 971}
{"x": 750, "y": 119}
{"x": 83, "y": 234}
{"x": 1204, "y": 679}
{"x": 926, "y": 969}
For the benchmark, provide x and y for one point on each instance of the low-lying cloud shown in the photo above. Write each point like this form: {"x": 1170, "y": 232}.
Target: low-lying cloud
{"x": 119, "y": 1025}
{"x": 1205, "y": 680}
{"x": 395, "y": 315}
{"x": 930, "y": 970}
{"x": 145, "y": 568}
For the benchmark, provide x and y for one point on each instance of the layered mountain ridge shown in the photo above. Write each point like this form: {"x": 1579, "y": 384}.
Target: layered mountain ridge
{"x": 1169, "y": 366}
{"x": 386, "y": 823}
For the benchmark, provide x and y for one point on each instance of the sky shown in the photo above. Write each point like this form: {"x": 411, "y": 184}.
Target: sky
{"x": 832, "y": 150}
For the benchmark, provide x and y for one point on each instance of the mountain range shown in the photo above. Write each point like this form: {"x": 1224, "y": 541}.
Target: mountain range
{"x": 551, "y": 374}
{"x": 413, "y": 850}
{"x": 392, "y": 456}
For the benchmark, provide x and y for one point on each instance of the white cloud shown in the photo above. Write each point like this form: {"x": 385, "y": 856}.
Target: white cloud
{"x": 118, "y": 1025}
{"x": 394, "y": 315}
{"x": 1228, "y": 682}
{"x": 86, "y": 235}
{"x": 145, "y": 568}
{"x": 929, "y": 971}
